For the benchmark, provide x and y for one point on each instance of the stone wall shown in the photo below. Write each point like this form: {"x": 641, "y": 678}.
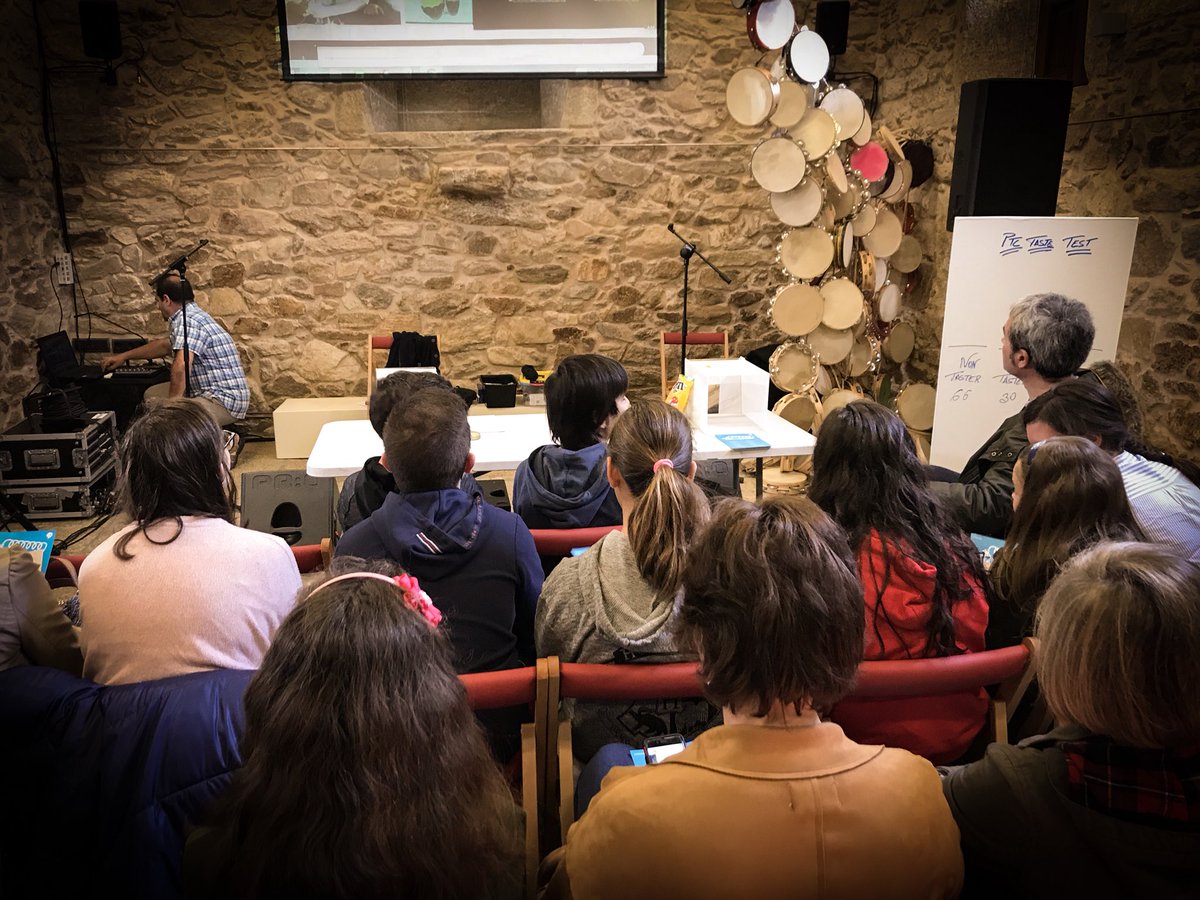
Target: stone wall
{"x": 524, "y": 245}
{"x": 29, "y": 229}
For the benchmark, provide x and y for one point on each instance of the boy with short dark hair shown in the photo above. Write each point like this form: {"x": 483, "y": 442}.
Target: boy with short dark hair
{"x": 564, "y": 485}
{"x": 364, "y": 491}
{"x": 476, "y": 561}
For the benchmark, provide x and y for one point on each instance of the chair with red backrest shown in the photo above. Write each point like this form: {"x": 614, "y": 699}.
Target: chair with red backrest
{"x": 520, "y": 687}
{"x": 381, "y": 342}
{"x": 600, "y": 681}
{"x": 694, "y": 339}
{"x": 555, "y": 544}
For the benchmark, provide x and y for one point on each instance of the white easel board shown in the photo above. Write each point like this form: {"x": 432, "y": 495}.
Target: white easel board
{"x": 994, "y": 262}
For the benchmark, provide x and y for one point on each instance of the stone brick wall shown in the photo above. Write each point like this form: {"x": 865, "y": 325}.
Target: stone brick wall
{"x": 523, "y": 245}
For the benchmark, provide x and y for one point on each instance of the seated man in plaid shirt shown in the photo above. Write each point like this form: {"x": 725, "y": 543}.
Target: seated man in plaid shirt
{"x": 217, "y": 379}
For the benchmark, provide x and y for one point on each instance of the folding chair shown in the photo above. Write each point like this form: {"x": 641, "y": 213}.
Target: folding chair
{"x": 694, "y": 339}
{"x": 555, "y": 544}
{"x": 382, "y": 342}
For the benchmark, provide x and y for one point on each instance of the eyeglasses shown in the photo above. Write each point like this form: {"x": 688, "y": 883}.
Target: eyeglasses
{"x": 1033, "y": 449}
{"x": 230, "y": 440}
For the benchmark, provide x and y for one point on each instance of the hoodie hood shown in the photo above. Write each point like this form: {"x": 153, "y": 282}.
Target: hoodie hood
{"x": 372, "y": 488}
{"x": 625, "y": 609}
{"x": 439, "y": 528}
{"x": 566, "y": 489}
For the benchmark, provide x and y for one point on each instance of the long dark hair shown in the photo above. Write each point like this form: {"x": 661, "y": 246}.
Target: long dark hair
{"x": 1082, "y": 408}
{"x": 670, "y": 507}
{"x": 365, "y": 774}
{"x": 866, "y": 475}
{"x": 173, "y": 465}
{"x": 1072, "y": 496}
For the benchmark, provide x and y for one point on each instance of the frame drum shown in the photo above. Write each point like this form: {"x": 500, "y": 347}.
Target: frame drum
{"x": 835, "y": 173}
{"x": 899, "y": 343}
{"x": 843, "y": 304}
{"x": 806, "y": 252}
{"x": 914, "y": 404}
{"x": 799, "y": 409}
{"x": 900, "y": 182}
{"x": 866, "y": 271}
{"x": 846, "y": 108}
{"x": 751, "y": 96}
{"x": 881, "y": 274}
{"x": 770, "y": 24}
{"x": 794, "y": 102}
{"x": 887, "y": 304}
{"x": 799, "y": 206}
{"x": 845, "y": 203}
{"x": 817, "y": 132}
{"x": 796, "y": 309}
{"x": 871, "y": 160}
{"x": 831, "y": 345}
{"x": 835, "y": 401}
{"x": 908, "y": 255}
{"x": 864, "y": 355}
{"x": 826, "y": 217}
{"x": 864, "y": 220}
{"x": 793, "y": 367}
{"x": 807, "y": 56}
{"x": 884, "y": 239}
{"x": 824, "y": 381}
{"x": 860, "y": 137}
{"x": 777, "y": 164}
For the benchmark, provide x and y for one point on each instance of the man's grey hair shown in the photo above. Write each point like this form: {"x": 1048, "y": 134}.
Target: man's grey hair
{"x": 1055, "y": 331}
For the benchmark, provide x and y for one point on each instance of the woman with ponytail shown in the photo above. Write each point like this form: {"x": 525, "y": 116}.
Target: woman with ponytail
{"x": 617, "y": 602}
{"x": 922, "y": 578}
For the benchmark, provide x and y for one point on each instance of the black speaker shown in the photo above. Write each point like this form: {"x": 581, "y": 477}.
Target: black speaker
{"x": 1008, "y": 151}
{"x": 833, "y": 24}
{"x": 100, "y": 25}
{"x": 291, "y": 505}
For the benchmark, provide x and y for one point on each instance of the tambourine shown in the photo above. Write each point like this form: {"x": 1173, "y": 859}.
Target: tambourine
{"x": 843, "y": 307}
{"x": 887, "y": 303}
{"x": 907, "y": 256}
{"x": 770, "y": 24}
{"x": 824, "y": 383}
{"x": 817, "y": 132}
{"x": 835, "y": 174}
{"x": 881, "y": 273}
{"x": 864, "y": 220}
{"x": 884, "y": 239}
{"x": 878, "y": 187}
{"x": 831, "y": 345}
{"x": 777, "y": 164}
{"x": 846, "y": 108}
{"x": 860, "y": 137}
{"x": 806, "y": 252}
{"x": 864, "y": 355}
{"x": 794, "y": 101}
{"x": 751, "y": 96}
{"x": 900, "y": 181}
{"x": 870, "y": 160}
{"x": 793, "y": 367}
{"x": 845, "y": 203}
{"x": 826, "y": 217}
{"x": 865, "y": 271}
{"x": 914, "y": 404}
{"x": 843, "y": 246}
{"x": 899, "y": 343}
{"x": 799, "y": 409}
{"x": 799, "y": 206}
{"x": 835, "y": 401}
{"x": 807, "y": 56}
{"x": 796, "y": 309}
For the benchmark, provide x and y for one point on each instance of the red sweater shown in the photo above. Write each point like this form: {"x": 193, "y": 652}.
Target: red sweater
{"x": 939, "y": 728}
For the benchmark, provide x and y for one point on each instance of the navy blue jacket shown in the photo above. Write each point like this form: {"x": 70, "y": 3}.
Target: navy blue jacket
{"x": 100, "y": 785}
{"x": 477, "y": 563}
{"x": 557, "y": 488}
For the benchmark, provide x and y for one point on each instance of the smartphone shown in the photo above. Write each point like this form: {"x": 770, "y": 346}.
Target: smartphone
{"x": 660, "y": 748}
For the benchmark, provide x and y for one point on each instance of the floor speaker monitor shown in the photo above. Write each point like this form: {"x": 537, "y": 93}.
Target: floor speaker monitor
{"x": 291, "y": 505}
{"x": 1008, "y": 151}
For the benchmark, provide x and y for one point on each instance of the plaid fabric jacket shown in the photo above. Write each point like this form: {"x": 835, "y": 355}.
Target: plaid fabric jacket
{"x": 217, "y": 368}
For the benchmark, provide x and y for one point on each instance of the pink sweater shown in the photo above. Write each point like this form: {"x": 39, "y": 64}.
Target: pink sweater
{"x": 211, "y": 599}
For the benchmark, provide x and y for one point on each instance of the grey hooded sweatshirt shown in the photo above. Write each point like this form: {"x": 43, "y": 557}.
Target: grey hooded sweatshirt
{"x": 597, "y": 608}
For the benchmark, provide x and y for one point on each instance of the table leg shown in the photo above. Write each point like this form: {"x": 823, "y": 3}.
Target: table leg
{"x": 758, "y": 473}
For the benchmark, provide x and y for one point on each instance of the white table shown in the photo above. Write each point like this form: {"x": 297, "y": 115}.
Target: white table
{"x": 506, "y": 441}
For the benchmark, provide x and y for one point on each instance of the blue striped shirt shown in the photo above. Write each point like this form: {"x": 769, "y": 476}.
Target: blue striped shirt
{"x": 217, "y": 368}
{"x": 1164, "y": 502}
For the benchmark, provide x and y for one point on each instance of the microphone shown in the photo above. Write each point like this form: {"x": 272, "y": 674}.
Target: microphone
{"x": 686, "y": 243}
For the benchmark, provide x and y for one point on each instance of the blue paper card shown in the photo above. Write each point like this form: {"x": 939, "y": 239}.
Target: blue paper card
{"x": 743, "y": 441}
{"x": 40, "y": 544}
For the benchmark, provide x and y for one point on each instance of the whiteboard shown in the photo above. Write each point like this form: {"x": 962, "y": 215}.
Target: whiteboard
{"x": 994, "y": 262}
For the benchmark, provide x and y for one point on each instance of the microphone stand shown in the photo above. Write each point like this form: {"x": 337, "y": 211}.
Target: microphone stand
{"x": 180, "y": 266}
{"x": 686, "y": 252}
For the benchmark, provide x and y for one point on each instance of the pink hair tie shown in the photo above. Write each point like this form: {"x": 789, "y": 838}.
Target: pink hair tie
{"x": 417, "y": 599}
{"x": 663, "y": 462}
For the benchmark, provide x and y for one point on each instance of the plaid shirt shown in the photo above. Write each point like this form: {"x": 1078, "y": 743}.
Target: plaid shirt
{"x": 1158, "y": 788}
{"x": 217, "y": 368}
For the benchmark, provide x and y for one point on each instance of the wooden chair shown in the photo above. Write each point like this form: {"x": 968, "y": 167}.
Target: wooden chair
{"x": 600, "y": 681}
{"x": 694, "y": 339}
{"x": 382, "y": 342}
{"x": 520, "y": 687}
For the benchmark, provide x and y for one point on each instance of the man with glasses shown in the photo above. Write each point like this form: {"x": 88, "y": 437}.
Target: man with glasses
{"x": 1046, "y": 340}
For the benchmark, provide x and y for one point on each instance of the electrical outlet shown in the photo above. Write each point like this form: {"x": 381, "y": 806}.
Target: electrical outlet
{"x": 64, "y": 269}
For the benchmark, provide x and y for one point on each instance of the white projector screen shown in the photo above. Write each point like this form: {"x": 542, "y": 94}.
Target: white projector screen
{"x": 323, "y": 40}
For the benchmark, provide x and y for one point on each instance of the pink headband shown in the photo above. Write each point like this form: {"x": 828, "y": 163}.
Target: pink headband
{"x": 414, "y": 598}
{"x": 663, "y": 462}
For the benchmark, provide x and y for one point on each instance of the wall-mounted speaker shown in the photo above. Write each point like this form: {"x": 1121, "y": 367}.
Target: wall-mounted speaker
{"x": 1008, "y": 151}
{"x": 100, "y": 25}
{"x": 833, "y": 24}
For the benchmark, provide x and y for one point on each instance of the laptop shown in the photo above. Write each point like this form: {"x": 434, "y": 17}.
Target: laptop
{"x": 56, "y": 357}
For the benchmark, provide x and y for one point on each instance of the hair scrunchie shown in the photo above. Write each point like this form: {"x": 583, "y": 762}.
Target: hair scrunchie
{"x": 658, "y": 464}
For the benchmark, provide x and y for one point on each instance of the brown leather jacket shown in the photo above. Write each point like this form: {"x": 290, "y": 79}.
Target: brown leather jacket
{"x": 766, "y": 812}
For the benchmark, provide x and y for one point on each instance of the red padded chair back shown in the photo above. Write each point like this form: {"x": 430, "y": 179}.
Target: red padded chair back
{"x": 496, "y": 690}
{"x": 561, "y": 541}
{"x": 943, "y": 675}
{"x": 605, "y": 681}
{"x": 308, "y": 559}
{"x": 381, "y": 342}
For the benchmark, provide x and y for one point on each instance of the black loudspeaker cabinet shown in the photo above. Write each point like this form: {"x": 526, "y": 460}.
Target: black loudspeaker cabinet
{"x": 1008, "y": 151}
{"x": 833, "y": 24}
{"x": 291, "y": 505}
{"x": 100, "y": 27}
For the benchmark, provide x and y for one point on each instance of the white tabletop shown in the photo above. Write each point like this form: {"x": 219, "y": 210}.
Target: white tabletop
{"x": 506, "y": 441}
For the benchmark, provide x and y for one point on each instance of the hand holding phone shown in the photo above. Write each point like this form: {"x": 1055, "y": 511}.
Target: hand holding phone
{"x": 660, "y": 748}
